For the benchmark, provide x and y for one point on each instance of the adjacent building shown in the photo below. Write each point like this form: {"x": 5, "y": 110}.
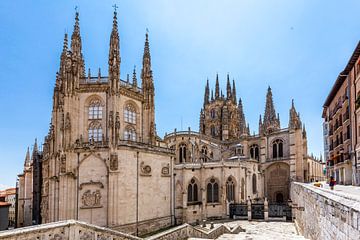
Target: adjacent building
{"x": 9, "y": 196}
{"x": 102, "y": 161}
{"x": 341, "y": 124}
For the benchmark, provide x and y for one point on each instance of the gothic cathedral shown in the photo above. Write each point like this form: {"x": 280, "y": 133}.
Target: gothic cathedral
{"x": 102, "y": 161}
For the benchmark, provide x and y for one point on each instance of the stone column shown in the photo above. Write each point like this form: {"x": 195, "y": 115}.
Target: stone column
{"x": 249, "y": 208}
{"x": 266, "y": 210}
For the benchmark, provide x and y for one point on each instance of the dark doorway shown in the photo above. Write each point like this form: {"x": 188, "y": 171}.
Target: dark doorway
{"x": 279, "y": 198}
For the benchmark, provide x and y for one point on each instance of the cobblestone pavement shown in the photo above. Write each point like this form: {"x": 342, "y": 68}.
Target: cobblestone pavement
{"x": 262, "y": 231}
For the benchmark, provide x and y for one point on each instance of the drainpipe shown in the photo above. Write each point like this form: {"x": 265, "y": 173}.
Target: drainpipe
{"x": 137, "y": 193}
{"x": 77, "y": 188}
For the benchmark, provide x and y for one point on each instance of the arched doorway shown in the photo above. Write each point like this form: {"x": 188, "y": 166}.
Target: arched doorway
{"x": 279, "y": 197}
{"x": 277, "y": 180}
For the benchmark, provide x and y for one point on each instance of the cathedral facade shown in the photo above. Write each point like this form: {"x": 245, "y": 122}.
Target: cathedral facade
{"x": 102, "y": 161}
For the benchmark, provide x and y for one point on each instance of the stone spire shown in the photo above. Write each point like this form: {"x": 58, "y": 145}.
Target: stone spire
{"x": 149, "y": 95}
{"x": 61, "y": 74}
{"x": 304, "y": 132}
{"x": 27, "y": 158}
{"x": 260, "y": 125}
{"x": 271, "y": 121}
{"x": 35, "y": 150}
{"x": 134, "y": 78}
{"x": 114, "y": 57}
{"x": 217, "y": 88}
{"x": 76, "y": 48}
{"x": 234, "y": 92}
{"x": 294, "y": 117}
{"x": 228, "y": 88}
{"x": 212, "y": 95}
{"x": 146, "y": 71}
{"x": 207, "y": 93}
{"x": 64, "y": 53}
{"x": 242, "y": 121}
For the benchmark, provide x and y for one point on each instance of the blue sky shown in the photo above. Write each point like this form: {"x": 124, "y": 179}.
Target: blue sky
{"x": 297, "y": 47}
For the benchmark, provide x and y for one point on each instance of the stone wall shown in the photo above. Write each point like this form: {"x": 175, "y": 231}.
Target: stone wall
{"x": 323, "y": 214}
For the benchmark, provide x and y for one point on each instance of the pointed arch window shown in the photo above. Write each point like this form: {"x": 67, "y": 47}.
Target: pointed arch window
{"x": 95, "y": 109}
{"x": 130, "y": 114}
{"x": 182, "y": 153}
{"x": 95, "y": 132}
{"x": 204, "y": 153}
{"x": 213, "y": 131}
{"x": 277, "y": 148}
{"x": 212, "y": 190}
{"x": 230, "y": 190}
{"x": 254, "y": 152}
{"x": 130, "y": 134}
{"x": 192, "y": 191}
{"x": 212, "y": 113}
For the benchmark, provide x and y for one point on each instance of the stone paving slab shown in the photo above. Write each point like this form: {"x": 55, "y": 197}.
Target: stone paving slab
{"x": 262, "y": 230}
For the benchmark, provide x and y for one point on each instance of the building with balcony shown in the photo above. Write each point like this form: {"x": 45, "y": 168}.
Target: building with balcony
{"x": 341, "y": 116}
{"x": 9, "y": 196}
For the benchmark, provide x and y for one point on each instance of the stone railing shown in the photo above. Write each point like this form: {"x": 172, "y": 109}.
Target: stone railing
{"x": 68, "y": 230}
{"x": 324, "y": 214}
{"x": 186, "y": 231}
{"x": 76, "y": 230}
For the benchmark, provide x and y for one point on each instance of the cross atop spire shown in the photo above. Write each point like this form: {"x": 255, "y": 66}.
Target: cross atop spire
{"x": 115, "y": 8}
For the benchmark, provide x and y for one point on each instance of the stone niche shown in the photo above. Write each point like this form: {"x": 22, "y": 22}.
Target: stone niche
{"x": 93, "y": 191}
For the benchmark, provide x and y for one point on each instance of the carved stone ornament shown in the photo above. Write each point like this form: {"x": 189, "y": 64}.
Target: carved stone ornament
{"x": 57, "y": 236}
{"x": 91, "y": 183}
{"x": 145, "y": 170}
{"x": 91, "y": 199}
{"x": 67, "y": 121}
{"x": 114, "y": 162}
{"x": 63, "y": 163}
{"x": 165, "y": 171}
{"x": 87, "y": 236}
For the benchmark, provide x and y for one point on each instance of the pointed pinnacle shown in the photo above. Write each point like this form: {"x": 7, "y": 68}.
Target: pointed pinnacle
{"x": 65, "y": 47}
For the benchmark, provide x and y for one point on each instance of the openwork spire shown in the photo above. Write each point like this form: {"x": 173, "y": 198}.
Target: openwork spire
{"x": 27, "y": 158}
{"x": 217, "y": 87}
{"x": 207, "y": 93}
{"x": 271, "y": 121}
{"x": 228, "y": 88}
{"x": 114, "y": 56}
{"x": 76, "y": 47}
{"x": 242, "y": 121}
{"x": 146, "y": 71}
{"x": 134, "y": 78}
{"x": 35, "y": 149}
{"x": 304, "y": 132}
{"x": 63, "y": 57}
{"x": 75, "y": 37}
{"x": 294, "y": 117}
{"x": 234, "y": 92}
